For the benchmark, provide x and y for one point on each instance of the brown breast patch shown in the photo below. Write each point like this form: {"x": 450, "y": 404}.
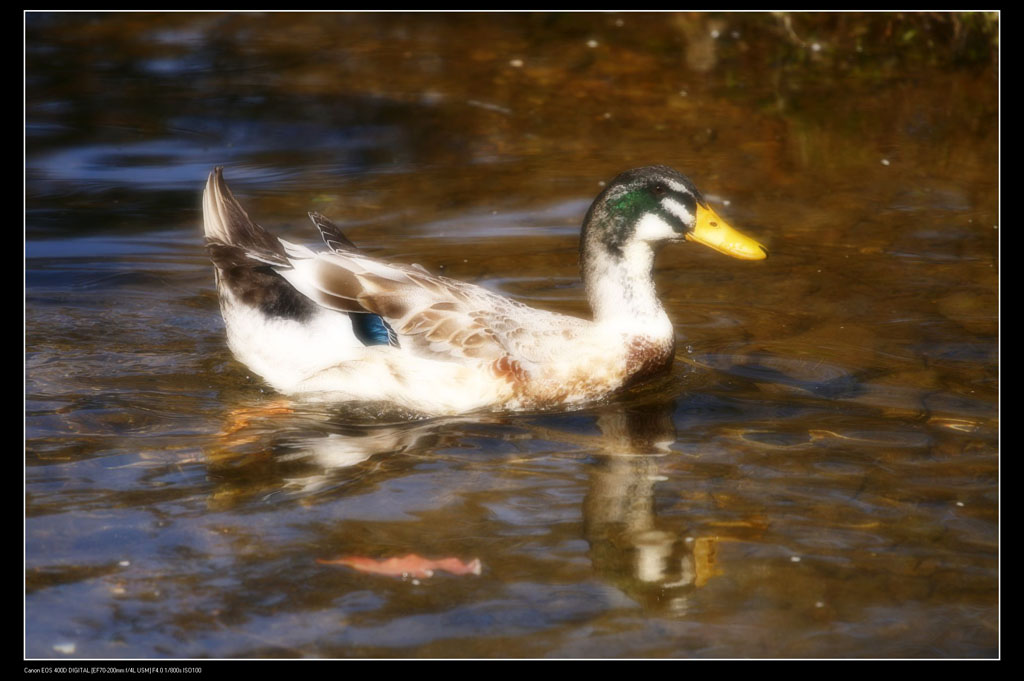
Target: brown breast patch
{"x": 646, "y": 357}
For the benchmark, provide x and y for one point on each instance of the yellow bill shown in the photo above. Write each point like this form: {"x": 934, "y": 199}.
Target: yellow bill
{"x": 714, "y": 232}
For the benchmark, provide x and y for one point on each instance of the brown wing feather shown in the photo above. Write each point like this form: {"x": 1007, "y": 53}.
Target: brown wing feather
{"x": 332, "y": 234}
{"x": 434, "y": 315}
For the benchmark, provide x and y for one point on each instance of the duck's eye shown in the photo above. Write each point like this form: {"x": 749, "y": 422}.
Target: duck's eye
{"x": 658, "y": 189}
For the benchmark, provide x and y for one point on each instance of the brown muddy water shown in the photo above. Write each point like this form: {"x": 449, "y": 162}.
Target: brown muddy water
{"x": 818, "y": 476}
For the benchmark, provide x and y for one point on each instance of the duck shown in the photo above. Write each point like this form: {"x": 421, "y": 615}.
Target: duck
{"x": 337, "y": 324}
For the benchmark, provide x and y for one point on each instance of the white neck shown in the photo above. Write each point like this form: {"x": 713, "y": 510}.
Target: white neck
{"x": 621, "y": 289}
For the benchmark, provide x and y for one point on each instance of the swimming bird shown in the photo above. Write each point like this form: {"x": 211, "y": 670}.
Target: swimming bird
{"x": 338, "y": 324}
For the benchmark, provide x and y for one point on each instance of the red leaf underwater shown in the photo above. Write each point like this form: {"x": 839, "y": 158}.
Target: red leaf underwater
{"x": 406, "y": 566}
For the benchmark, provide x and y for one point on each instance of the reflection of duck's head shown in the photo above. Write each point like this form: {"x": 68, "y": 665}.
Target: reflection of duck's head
{"x": 651, "y": 559}
{"x": 340, "y": 321}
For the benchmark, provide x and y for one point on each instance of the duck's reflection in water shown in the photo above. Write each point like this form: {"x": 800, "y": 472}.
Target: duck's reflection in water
{"x": 296, "y": 453}
{"x": 652, "y": 563}
{"x": 291, "y": 449}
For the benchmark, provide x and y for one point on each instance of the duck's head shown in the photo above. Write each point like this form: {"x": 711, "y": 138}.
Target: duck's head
{"x": 646, "y": 207}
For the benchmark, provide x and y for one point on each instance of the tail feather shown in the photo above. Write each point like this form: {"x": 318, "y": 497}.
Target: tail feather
{"x": 226, "y": 222}
{"x": 241, "y": 251}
